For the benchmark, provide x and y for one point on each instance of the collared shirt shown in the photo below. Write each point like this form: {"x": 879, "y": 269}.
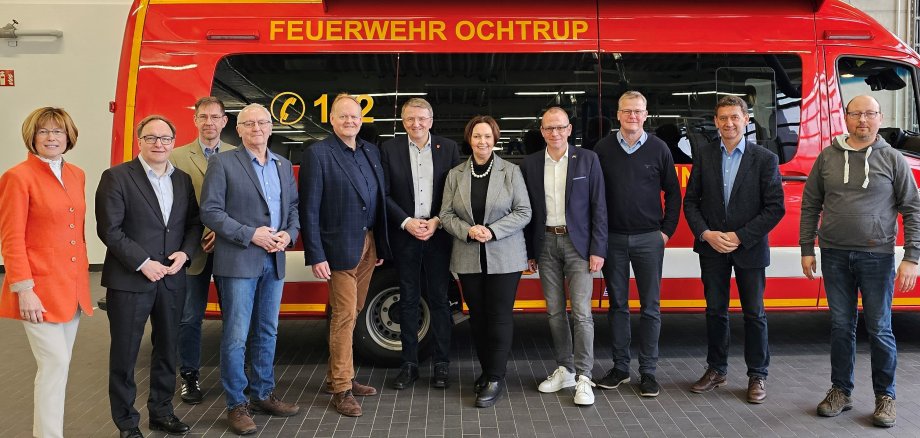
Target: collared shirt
{"x": 270, "y": 181}
{"x": 422, "y": 177}
{"x": 554, "y": 180}
{"x": 209, "y": 151}
{"x": 366, "y": 175}
{"x": 162, "y": 186}
{"x": 56, "y": 166}
{"x": 625, "y": 145}
{"x": 730, "y": 164}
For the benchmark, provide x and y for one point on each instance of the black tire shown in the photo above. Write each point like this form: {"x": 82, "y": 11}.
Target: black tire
{"x": 376, "y": 337}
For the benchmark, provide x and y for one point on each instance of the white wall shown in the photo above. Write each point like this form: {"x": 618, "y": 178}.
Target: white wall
{"x": 895, "y": 15}
{"x": 77, "y": 72}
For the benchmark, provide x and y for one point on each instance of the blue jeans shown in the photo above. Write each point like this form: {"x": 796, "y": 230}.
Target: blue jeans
{"x": 196, "y": 301}
{"x": 249, "y": 302}
{"x": 846, "y": 274}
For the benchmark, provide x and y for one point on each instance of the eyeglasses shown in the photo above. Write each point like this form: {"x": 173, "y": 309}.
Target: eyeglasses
{"x": 551, "y": 129}
{"x": 211, "y": 117}
{"x": 250, "y": 123}
{"x": 630, "y": 113}
{"x": 870, "y": 115}
{"x": 412, "y": 120}
{"x": 53, "y": 132}
{"x": 152, "y": 139}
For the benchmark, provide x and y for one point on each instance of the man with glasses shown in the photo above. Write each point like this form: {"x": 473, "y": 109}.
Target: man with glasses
{"x": 147, "y": 217}
{"x": 566, "y": 240}
{"x": 734, "y": 198}
{"x": 638, "y": 168}
{"x": 857, "y": 187}
{"x": 415, "y": 168}
{"x": 249, "y": 199}
{"x": 343, "y": 216}
{"x": 192, "y": 159}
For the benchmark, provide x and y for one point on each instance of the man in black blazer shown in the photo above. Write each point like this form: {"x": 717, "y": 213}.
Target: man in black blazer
{"x": 567, "y": 240}
{"x": 415, "y": 168}
{"x": 147, "y": 217}
{"x": 734, "y": 198}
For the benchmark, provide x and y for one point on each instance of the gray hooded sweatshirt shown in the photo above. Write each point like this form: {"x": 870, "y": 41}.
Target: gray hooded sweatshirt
{"x": 858, "y": 195}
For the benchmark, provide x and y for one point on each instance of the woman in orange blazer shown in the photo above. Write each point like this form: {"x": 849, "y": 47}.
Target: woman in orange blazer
{"x": 44, "y": 251}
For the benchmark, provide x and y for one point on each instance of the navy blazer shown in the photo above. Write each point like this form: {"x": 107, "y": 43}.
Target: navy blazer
{"x": 233, "y": 205}
{"x": 130, "y": 224}
{"x": 755, "y": 206}
{"x": 400, "y": 187}
{"x": 332, "y": 209}
{"x": 585, "y": 203}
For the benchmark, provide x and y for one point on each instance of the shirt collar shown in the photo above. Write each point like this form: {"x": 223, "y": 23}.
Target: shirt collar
{"x": 149, "y": 170}
{"x": 427, "y": 144}
{"x": 640, "y": 142}
{"x": 564, "y": 156}
{"x": 739, "y": 148}
{"x": 358, "y": 144}
{"x": 54, "y": 163}
{"x": 252, "y": 156}
{"x": 215, "y": 148}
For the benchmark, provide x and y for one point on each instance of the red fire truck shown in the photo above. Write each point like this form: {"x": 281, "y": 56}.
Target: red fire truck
{"x": 795, "y": 62}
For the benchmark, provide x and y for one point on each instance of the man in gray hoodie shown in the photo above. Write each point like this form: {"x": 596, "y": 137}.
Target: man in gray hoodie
{"x": 858, "y": 186}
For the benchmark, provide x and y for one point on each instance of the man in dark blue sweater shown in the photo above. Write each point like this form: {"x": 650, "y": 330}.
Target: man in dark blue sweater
{"x": 637, "y": 168}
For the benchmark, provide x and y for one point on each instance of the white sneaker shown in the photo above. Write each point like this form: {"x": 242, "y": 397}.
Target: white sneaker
{"x": 584, "y": 395}
{"x": 561, "y": 378}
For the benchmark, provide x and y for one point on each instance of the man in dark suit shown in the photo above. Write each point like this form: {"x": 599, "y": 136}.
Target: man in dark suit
{"x": 734, "y": 198}
{"x": 567, "y": 240}
{"x": 147, "y": 217}
{"x": 343, "y": 216}
{"x": 249, "y": 199}
{"x": 415, "y": 168}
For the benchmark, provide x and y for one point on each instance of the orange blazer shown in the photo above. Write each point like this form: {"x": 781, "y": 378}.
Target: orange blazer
{"x": 42, "y": 238}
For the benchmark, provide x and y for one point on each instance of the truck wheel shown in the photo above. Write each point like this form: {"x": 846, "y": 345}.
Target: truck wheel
{"x": 376, "y": 337}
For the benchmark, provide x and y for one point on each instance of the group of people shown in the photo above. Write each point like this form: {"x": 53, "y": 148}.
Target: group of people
{"x": 172, "y": 219}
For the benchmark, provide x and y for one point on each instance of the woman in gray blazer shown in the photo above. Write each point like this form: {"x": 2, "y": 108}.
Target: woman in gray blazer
{"x": 485, "y": 208}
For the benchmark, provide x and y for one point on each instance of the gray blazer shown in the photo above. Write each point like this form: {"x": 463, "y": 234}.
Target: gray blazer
{"x": 232, "y": 204}
{"x": 507, "y": 212}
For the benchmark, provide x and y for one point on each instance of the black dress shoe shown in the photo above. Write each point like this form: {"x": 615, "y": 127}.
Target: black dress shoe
{"x": 407, "y": 375}
{"x": 480, "y": 383}
{"x": 439, "y": 378}
{"x": 169, "y": 424}
{"x": 489, "y": 394}
{"x": 130, "y": 433}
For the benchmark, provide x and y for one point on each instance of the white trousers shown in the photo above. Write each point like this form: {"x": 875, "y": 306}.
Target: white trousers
{"x": 52, "y": 344}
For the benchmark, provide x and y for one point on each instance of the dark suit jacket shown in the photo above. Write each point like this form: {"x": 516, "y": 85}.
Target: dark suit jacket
{"x": 585, "y": 203}
{"x": 233, "y": 205}
{"x": 332, "y": 209}
{"x": 131, "y": 225}
{"x": 755, "y": 206}
{"x": 400, "y": 188}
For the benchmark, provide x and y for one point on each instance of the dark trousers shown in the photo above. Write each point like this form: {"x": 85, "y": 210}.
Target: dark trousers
{"x": 195, "y": 304}
{"x": 716, "y": 274}
{"x": 491, "y": 301}
{"x": 424, "y": 265}
{"x": 128, "y": 313}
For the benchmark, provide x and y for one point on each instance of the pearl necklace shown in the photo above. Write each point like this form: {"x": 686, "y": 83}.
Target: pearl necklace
{"x": 484, "y": 174}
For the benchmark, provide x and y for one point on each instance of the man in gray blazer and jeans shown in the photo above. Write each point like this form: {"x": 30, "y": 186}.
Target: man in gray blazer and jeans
{"x": 249, "y": 199}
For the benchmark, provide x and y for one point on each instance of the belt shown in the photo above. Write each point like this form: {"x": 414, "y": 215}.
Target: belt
{"x": 558, "y": 230}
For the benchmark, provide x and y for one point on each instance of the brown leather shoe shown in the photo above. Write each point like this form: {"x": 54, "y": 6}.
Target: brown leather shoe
{"x": 346, "y": 404}
{"x": 757, "y": 389}
{"x": 356, "y": 389}
{"x": 240, "y": 420}
{"x": 274, "y": 406}
{"x": 711, "y": 380}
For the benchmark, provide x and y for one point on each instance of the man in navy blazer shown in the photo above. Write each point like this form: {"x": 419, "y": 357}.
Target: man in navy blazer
{"x": 566, "y": 239}
{"x": 147, "y": 217}
{"x": 734, "y": 198}
{"x": 249, "y": 200}
{"x": 343, "y": 217}
{"x": 415, "y": 168}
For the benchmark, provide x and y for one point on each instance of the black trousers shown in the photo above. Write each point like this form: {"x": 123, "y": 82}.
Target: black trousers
{"x": 424, "y": 265}
{"x": 128, "y": 313}
{"x": 491, "y": 301}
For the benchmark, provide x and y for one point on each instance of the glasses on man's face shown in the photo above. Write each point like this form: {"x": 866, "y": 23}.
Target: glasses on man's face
{"x": 52, "y": 132}
{"x": 630, "y": 113}
{"x": 870, "y": 115}
{"x": 552, "y": 129}
{"x": 414, "y": 120}
{"x": 152, "y": 139}
{"x": 211, "y": 117}
{"x": 249, "y": 124}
